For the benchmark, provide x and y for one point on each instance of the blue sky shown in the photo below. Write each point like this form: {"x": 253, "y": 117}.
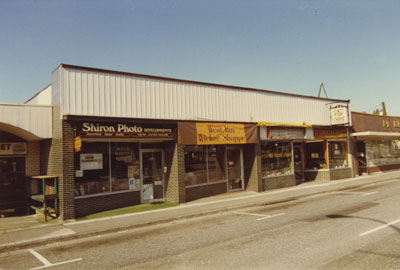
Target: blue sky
{"x": 288, "y": 46}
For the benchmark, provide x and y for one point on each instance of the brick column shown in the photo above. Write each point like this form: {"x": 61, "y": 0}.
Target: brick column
{"x": 33, "y": 158}
{"x": 67, "y": 185}
{"x": 252, "y": 167}
{"x": 175, "y": 186}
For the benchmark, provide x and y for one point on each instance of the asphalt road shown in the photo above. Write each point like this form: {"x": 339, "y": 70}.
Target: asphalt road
{"x": 350, "y": 229}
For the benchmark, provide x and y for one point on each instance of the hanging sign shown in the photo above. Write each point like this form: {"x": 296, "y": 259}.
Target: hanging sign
{"x": 13, "y": 148}
{"x": 339, "y": 115}
{"x": 78, "y": 144}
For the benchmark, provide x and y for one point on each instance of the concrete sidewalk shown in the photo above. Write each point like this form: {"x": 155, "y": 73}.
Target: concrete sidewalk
{"x": 25, "y": 232}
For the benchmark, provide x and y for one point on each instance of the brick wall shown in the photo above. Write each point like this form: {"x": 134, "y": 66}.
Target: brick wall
{"x": 87, "y": 206}
{"x": 316, "y": 175}
{"x": 175, "y": 183}
{"x": 56, "y": 160}
{"x": 279, "y": 182}
{"x": 67, "y": 182}
{"x": 338, "y": 174}
{"x": 194, "y": 193}
{"x": 252, "y": 167}
{"x": 33, "y": 158}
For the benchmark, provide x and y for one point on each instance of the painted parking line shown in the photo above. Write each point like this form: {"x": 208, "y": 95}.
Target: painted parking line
{"x": 369, "y": 193}
{"x": 356, "y": 193}
{"x": 379, "y": 228}
{"x": 262, "y": 217}
{"x": 46, "y": 262}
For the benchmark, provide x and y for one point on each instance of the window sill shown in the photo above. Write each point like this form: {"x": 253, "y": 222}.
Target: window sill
{"x": 105, "y": 194}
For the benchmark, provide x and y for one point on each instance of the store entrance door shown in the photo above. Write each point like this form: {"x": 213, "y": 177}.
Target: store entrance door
{"x": 12, "y": 185}
{"x": 152, "y": 175}
{"x": 235, "y": 169}
{"x": 298, "y": 162}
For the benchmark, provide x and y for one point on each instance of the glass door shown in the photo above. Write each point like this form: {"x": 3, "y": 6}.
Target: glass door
{"x": 298, "y": 162}
{"x": 152, "y": 175}
{"x": 235, "y": 169}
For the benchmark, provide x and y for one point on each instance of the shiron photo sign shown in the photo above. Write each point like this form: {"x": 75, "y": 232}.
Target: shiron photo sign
{"x": 124, "y": 130}
{"x": 201, "y": 133}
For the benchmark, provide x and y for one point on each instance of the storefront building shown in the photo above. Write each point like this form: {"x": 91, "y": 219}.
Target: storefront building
{"x": 120, "y": 139}
{"x": 23, "y": 129}
{"x": 377, "y": 142}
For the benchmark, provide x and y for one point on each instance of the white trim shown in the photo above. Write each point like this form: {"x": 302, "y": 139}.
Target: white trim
{"x": 376, "y": 133}
{"x": 206, "y": 184}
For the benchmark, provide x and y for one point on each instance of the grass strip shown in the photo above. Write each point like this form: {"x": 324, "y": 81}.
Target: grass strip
{"x": 129, "y": 209}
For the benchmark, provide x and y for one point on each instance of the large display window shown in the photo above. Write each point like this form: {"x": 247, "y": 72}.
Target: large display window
{"x": 106, "y": 167}
{"x": 204, "y": 164}
{"x": 276, "y": 158}
{"x": 337, "y": 154}
{"x": 382, "y": 152}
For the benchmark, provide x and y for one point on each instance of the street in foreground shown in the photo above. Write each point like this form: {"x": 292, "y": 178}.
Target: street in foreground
{"x": 350, "y": 229}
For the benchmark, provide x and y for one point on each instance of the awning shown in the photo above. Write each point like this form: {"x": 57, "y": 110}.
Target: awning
{"x": 377, "y": 134}
{"x": 283, "y": 124}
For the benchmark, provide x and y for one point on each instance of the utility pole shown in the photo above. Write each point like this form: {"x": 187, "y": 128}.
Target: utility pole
{"x": 321, "y": 86}
{"x": 383, "y": 108}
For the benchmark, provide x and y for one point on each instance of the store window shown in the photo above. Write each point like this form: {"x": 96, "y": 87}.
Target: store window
{"x": 383, "y": 152}
{"x": 204, "y": 164}
{"x": 105, "y": 167}
{"x": 337, "y": 154}
{"x": 276, "y": 158}
{"x": 315, "y": 159}
{"x": 124, "y": 165}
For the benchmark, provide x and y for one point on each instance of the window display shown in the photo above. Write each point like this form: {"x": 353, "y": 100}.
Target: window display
{"x": 105, "y": 167}
{"x": 337, "y": 154}
{"x": 276, "y": 158}
{"x": 124, "y": 165}
{"x": 204, "y": 164}
{"x": 315, "y": 158}
{"x": 382, "y": 152}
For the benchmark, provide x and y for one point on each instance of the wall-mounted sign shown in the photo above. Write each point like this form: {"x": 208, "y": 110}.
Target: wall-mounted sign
{"x": 78, "y": 144}
{"x": 91, "y": 161}
{"x": 286, "y": 133}
{"x": 330, "y": 133}
{"x": 18, "y": 148}
{"x": 121, "y": 130}
{"x": 201, "y": 133}
{"x": 371, "y": 122}
{"x": 339, "y": 115}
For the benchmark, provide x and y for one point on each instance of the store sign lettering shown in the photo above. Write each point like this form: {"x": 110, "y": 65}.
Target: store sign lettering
{"x": 386, "y": 123}
{"x": 211, "y": 133}
{"x": 90, "y": 129}
{"x": 13, "y": 148}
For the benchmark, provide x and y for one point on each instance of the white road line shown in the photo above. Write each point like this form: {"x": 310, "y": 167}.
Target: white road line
{"x": 54, "y": 264}
{"x": 46, "y": 262}
{"x": 379, "y": 228}
{"x": 259, "y": 215}
{"x": 370, "y": 193}
{"x": 40, "y": 257}
{"x": 271, "y": 216}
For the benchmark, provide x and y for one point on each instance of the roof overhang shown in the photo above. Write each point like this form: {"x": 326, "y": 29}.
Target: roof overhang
{"x": 376, "y": 134}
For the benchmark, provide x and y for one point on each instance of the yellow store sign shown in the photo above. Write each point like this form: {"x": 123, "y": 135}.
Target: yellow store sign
{"x": 218, "y": 133}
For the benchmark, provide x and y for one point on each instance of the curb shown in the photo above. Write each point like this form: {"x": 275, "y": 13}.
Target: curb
{"x": 40, "y": 242}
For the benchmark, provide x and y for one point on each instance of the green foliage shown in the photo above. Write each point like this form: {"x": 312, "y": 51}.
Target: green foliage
{"x": 376, "y": 111}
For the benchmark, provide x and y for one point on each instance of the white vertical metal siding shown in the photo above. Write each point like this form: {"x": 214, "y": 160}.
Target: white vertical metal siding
{"x": 85, "y": 92}
{"x": 36, "y": 120}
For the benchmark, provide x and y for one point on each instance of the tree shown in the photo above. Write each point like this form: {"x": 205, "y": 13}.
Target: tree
{"x": 376, "y": 111}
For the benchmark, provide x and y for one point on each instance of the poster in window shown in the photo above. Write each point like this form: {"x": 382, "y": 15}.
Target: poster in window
{"x": 91, "y": 161}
